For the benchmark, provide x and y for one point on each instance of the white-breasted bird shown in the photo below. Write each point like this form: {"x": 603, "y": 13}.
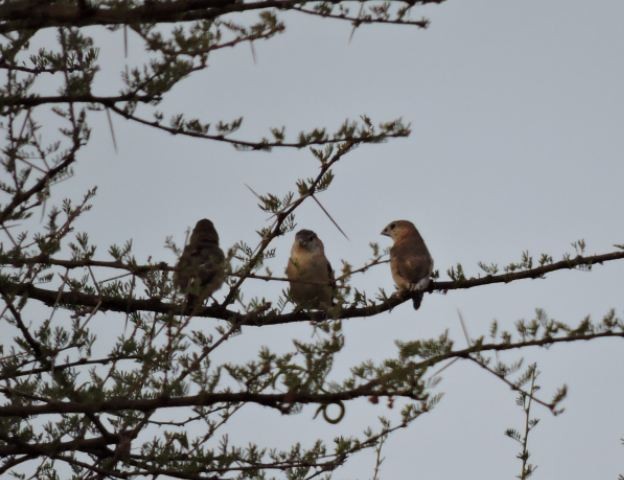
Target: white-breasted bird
{"x": 311, "y": 277}
{"x": 410, "y": 261}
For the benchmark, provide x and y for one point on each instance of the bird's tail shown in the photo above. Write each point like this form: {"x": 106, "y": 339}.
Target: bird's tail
{"x": 417, "y": 299}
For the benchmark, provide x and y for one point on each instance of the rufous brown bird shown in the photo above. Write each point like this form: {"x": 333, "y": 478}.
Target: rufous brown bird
{"x": 410, "y": 261}
{"x": 200, "y": 271}
{"x": 311, "y": 276}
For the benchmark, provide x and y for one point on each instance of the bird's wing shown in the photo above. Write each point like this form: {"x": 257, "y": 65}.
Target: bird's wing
{"x": 330, "y": 274}
{"x": 411, "y": 263}
{"x": 292, "y": 270}
{"x": 182, "y": 274}
{"x": 210, "y": 262}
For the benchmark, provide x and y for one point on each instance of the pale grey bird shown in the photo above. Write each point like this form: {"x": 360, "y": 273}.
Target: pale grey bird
{"x": 201, "y": 268}
{"x": 410, "y": 261}
{"x": 311, "y": 277}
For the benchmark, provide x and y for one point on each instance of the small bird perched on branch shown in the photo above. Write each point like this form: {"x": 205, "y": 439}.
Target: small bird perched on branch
{"x": 410, "y": 261}
{"x": 311, "y": 276}
{"x": 201, "y": 268}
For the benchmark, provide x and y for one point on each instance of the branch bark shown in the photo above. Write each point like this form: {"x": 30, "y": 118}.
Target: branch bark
{"x": 21, "y": 15}
{"x": 281, "y": 401}
{"x": 157, "y": 305}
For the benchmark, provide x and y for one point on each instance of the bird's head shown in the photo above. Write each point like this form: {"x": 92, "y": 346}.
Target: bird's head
{"x": 398, "y": 229}
{"x": 308, "y": 240}
{"x": 205, "y": 232}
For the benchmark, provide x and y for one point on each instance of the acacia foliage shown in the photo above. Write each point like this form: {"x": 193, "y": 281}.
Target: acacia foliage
{"x": 68, "y": 407}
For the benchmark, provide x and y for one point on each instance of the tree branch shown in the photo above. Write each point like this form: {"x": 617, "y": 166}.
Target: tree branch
{"x": 35, "y": 100}
{"x": 423, "y": 23}
{"x": 20, "y": 15}
{"x": 21, "y": 197}
{"x": 283, "y": 401}
{"x": 15, "y": 446}
{"x": 156, "y": 305}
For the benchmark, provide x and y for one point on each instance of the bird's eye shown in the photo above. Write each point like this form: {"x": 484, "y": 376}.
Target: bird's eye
{"x": 392, "y": 225}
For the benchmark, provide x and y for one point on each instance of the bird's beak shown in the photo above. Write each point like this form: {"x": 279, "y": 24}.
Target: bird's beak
{"x": 385, "y": 232}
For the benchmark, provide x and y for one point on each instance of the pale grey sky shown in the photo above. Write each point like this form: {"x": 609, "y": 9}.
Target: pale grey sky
{"x": 516, "y": 111}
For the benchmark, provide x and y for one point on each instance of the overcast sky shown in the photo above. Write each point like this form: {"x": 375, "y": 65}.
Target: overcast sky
{"x": 516, "y": 111}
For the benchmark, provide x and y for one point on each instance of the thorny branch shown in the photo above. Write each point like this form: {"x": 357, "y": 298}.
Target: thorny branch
{"x": 156, "y": 305}
{"x": 20, "y": 15}
{"x": 281, "y": 401}
{"x": 99, "y": 404}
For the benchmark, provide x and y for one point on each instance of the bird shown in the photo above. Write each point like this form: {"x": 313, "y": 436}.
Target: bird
{"x": 410, "y": 261}
{"x": 311, "y": 277}
{"x": 200, "y": 271}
